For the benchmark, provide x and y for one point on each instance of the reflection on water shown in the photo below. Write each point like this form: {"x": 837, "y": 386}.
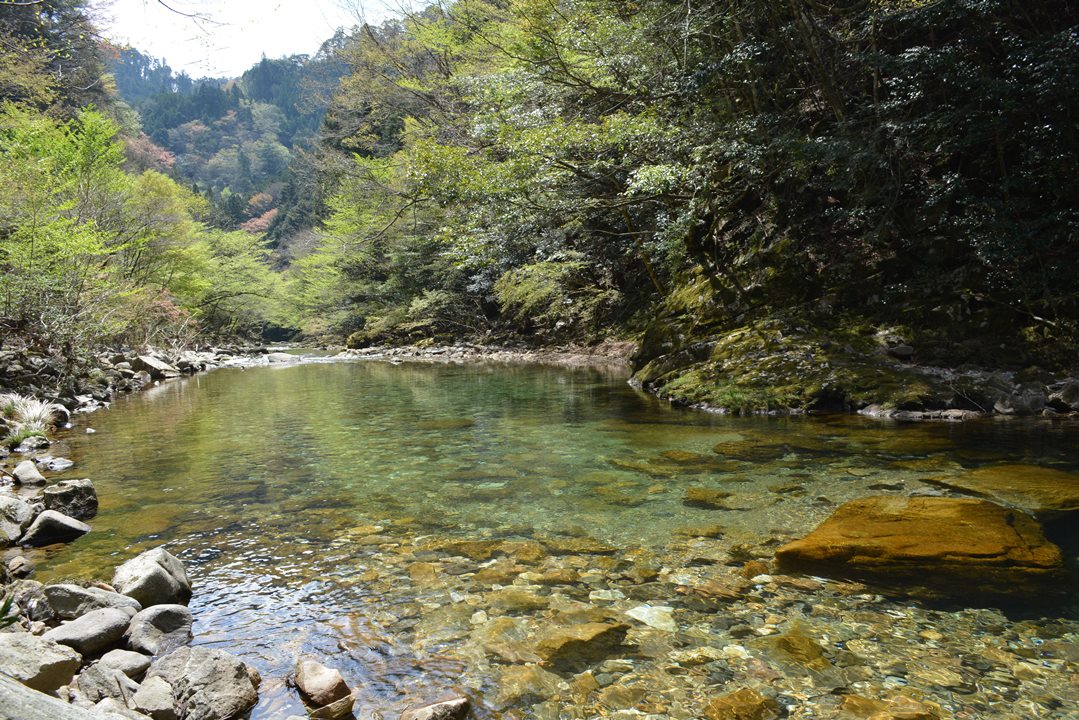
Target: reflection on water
{"x": 308, "y": 502}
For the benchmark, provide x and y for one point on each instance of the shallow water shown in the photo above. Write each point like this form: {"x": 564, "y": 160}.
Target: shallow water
{"x": 309, "y": 503}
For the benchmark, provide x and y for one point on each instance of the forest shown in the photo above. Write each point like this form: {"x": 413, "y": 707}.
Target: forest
{"x": 789, "y": 184}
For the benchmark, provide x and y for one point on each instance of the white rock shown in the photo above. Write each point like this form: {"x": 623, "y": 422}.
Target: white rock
{"x": 319, "y": 684}
{"x": 26, "y": 473}
{"x": 658, "y": 617}
{"x": 155, "y": 577}
{"x": 92, "y": 632}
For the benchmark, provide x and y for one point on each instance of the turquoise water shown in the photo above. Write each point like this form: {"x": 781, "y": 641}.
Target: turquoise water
{"x": 312, "y": 504}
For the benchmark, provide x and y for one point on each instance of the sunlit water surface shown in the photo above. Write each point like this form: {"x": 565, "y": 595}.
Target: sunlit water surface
{"x": 297, "y": 496}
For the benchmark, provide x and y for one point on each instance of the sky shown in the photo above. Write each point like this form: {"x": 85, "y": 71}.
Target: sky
{"x": 233, "y": 35}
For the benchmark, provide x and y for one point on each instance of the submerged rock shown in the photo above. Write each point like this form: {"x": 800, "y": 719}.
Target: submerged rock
{"x": 1046, "y": 492}
{"x": 706, "y": 498}
{"x": 525, "y": 684}
{"x": 156, "y": 577}
{"x": 743, "y": 704}
{"x": 577, "y": 646}
{"x": 952, "y": 546}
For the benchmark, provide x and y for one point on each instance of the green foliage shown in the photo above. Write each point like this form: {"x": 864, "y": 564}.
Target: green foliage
{"x": 8, "y": 618}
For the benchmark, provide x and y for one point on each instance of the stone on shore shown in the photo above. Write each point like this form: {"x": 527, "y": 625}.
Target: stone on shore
{"x": 319, "y": 684}
{"x": 26, "y": 473}
{"x": 70, "y": 601}
{"x": 132, "y": 664}
{"x": 93, "y": 632}
{"x": 113, "y": 709}
{"x": 15, "y": 517}
{"x": 944, "y": 545}
{"x": 160, "y": 629}
{"x": 208, "y": 684}
{"x": 577, "y": 646}
{"x": 100, "y": 681}
{"x": 53, "y": 527}
{"x": 156, "y": 577}
{"x": 158, "y": 369}
{"x": 37, "y": 662}
{"x": 155, "y": 698}
{"x": 74, "y": 498}
{"x": 456, "y": 709}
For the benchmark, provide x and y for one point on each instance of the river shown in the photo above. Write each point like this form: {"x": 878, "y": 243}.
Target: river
{"x": 316, "y": 506}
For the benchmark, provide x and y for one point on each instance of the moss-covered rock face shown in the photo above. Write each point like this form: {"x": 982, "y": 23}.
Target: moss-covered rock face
{"x": 751, "y": 353}
{"x": 783, "y": 365}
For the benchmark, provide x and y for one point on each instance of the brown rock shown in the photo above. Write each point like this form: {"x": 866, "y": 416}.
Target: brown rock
{"x": 798, "y": 647}
{"x": 945, "y": 545}
{"x": 478, "y": 550}
{"x": 1046, "y": 492}
{"x": 753, "y": 568}
{"x": 905, "y": 708}
{"x": 861, "y": 707}
{"x": 706, "y": 498}
{"x": 744, "y": 704}
{"x": 578, "y": 546}
{"x": 576, "y": 646}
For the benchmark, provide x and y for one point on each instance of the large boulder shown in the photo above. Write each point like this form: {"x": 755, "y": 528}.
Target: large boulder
{"x": 93, "y": 632}
{"x": 53, "y": 527}
{"x": 37, "y": 662}
{"x": 26, "y": 473}
{"x": 208, "y": 684}
{"x": 951, "y": 546}
{"x": 156, "y": 577}
{"x": 160, "y": 629}
{"x": 15, "y": 517}
{"x": 158, "y": 369}
{"x": 319, "y": 684}
{"x": 71, "y": 601}
{"x": 74, "y": 498}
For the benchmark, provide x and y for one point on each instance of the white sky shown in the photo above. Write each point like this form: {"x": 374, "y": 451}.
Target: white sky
{"x": 234, "y": 34}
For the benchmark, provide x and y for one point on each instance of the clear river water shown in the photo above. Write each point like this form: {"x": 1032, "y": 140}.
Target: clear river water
{"x": 416, "y": 525}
